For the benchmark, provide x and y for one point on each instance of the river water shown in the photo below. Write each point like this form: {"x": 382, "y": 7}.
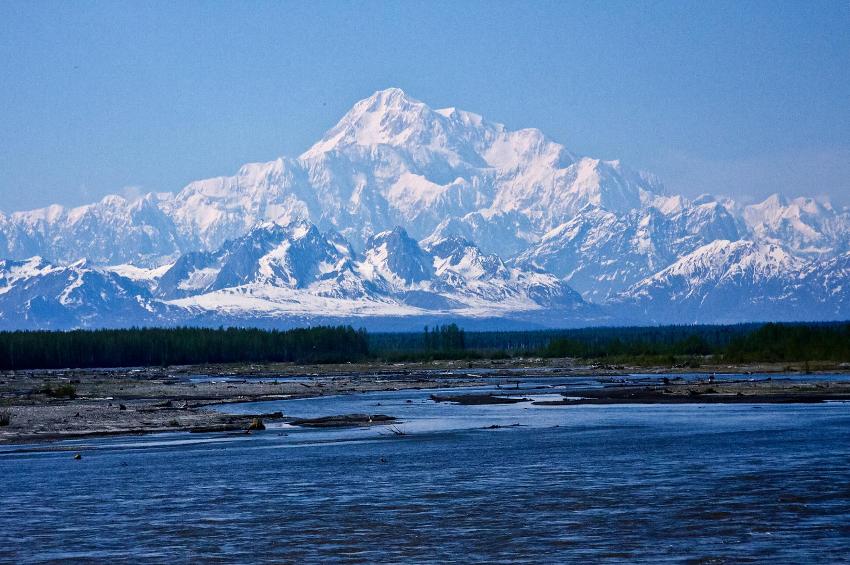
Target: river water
{"x": 637, "y": 483}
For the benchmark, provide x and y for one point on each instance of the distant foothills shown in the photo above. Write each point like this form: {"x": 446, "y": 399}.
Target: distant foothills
{"x": 401, "y": 216}
{"x": 811, "y": 346}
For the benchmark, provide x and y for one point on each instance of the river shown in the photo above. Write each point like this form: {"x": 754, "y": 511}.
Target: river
{"x": 637, "y": 483}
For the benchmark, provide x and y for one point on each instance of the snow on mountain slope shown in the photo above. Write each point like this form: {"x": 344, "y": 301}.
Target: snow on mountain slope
{"x": 506, "y": 233}
{"x": 113, "y": 230}
{"x": 422, "y": 166}
{"x": 277, "y": 274}
{"x": 452, "y": 179}
{"x": 12, "y": 272}
{"x": 212, "y": 211}
{"x": 600, "y": 253}
{"x": 389, "y": 161}
{"x": 295, "y": 256}
{"x": 395, "y": 261}
{"x": 395, "y": 276}
{"x": 806, "y": 225}
{"x": 822, "y": 289}
{"x": 725, "y": 281}
{"x": 281, "y": 273}
{"x": 392, "y": 160}
{"x": 37, "y": 295}
{"x": 463, "y": 267}
{"x": 143, "y": 276}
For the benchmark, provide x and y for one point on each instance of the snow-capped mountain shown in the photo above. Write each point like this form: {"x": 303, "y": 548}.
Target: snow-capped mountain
{"x": 390, "y": 161}
{"x": 394, "y": 260}
{"x": 275, "y": 275}
{"x": 805, "y": 225}
{"x": 601, "y": 253}
{"x": 495, "y": 222}
{"x": 822, "y": 290}
{"x": 113, "y": 230}
{"x": 730, "y": 281}
{"x": 740, "y": 281}
{"x": 36, "y": 294}
{"x": 295, "y": 256}
{"x": 297, "y": 271}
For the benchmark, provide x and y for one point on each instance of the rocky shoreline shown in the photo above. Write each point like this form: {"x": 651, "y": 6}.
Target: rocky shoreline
{"x": 53, "y": 405}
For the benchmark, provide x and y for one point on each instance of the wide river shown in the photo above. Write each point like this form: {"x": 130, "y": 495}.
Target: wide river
{"x": 677, "y": 483}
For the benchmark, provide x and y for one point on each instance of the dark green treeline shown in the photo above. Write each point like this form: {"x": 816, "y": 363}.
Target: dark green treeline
{"x": 763, "y": 343}
{"x": 790, "y": 342}
{"x": 178, "y": 346}
{"x": 652, "y": 345}
{"x": 445, "y": 338}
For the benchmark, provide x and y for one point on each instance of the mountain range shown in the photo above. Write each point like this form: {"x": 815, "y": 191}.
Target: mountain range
{"x": 402, "y": 215}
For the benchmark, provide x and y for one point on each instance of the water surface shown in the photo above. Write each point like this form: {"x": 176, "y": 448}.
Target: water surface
{"x": 679, "y": 483}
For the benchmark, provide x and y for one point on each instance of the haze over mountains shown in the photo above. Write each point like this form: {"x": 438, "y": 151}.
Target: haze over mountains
{"x": 402, "y": 214}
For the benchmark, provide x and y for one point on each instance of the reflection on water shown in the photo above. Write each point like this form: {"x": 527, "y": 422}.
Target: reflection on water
{"x": 616, "y": 483}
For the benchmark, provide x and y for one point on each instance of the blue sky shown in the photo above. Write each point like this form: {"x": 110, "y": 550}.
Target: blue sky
{"x": 740, "y": 98}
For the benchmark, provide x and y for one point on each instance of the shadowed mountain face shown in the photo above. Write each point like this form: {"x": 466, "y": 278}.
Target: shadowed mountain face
{"x": 36, "y": 294}
{"x": 504, "y": 216}
{"x": 276, "y": 274}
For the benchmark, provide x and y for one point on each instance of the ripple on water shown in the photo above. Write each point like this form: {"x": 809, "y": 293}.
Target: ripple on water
{"x": 586, "y": 483}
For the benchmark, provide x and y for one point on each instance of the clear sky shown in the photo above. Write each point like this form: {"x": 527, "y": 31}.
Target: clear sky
{"x": 740, "y": 98}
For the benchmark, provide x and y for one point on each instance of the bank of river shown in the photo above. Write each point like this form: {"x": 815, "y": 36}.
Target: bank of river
{"x": 53, "y": 405}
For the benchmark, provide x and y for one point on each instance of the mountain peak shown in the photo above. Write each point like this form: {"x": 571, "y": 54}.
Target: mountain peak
{"x": 397, "y": 236}
{"x": 397, "y": 257}
{"x": 775, "y": 200}
{"x": 326, "y": 221}
{"x": 391, "y": 93}
{"x": 382, "y": 102}
{"x": 387, "y": 117}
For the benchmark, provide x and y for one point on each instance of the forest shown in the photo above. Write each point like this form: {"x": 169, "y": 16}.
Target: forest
{"x": 734, "y": 344}
{"x": 647, "y": 345}
{"x": 178, "y": 346}
{"x": 659, "y": 345}
{"x": 452, "y": 342}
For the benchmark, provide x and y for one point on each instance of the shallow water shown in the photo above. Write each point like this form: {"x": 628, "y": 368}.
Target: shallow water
{"x": 703, "y": 483}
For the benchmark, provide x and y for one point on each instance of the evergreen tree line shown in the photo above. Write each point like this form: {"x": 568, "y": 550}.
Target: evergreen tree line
{"x": 768, "y": 343}
{"x": 584, "y": 342}
{"x": 636, "y": 345}
{"x": 735, "y": 343}
{"x": 412, "y": 342}
{"x": 657, "y": 340}
{"x": 445, "y": 338}
{"x": 185, "y": 346}
{"x": 781, "y": 342}
{"x": 178, "y": 346}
